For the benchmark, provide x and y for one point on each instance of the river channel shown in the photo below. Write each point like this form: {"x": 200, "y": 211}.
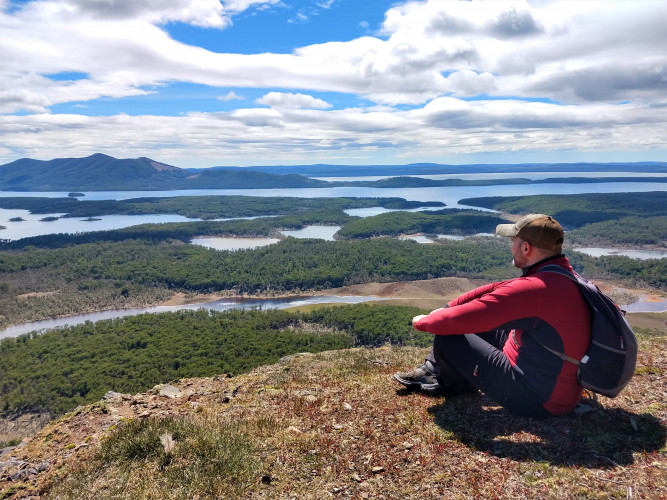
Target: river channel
{"x": 218, "y": 305}
{"x": 642, "y": 305}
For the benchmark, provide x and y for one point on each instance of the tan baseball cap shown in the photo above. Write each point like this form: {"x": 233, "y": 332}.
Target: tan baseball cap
{"x": 542, "y": 231}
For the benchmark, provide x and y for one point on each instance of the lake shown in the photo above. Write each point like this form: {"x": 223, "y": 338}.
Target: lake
{"x": 450, "y": 195}
{"x": 32, "y": 225}
{"x": 633, "y": 254}
{"x": 447, "y": 194}
{"x": 505, "y": 175}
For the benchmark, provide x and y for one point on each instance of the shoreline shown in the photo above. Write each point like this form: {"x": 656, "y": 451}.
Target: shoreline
{"x": 425, "y": 294}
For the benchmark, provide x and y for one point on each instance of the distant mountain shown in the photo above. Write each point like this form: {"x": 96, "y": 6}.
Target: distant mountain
{"x": 100, "y": 172}
{"x": 96, "y": 172}
{"x": 320, "y": 170}
{"x": 104, "y": 173}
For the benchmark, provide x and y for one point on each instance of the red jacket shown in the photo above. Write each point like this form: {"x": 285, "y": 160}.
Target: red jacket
{"x": 545, "y": 305}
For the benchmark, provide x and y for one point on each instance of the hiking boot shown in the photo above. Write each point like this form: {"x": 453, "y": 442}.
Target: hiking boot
{"x": 421, "y": 378}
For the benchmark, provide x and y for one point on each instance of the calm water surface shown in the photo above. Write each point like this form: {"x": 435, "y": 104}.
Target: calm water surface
{"x": 32, "y": 225}
{"x": 449, "y": 195}
{"x": 318, "y": 232}
{"x": 218, "y": 305}
{"x": 633, "y": 254}
{"x": 226, "y": 243}
{"x": 504, "y": 175}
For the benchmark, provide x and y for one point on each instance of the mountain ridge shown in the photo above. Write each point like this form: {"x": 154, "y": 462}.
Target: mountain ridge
{"x": 100, "y": 172}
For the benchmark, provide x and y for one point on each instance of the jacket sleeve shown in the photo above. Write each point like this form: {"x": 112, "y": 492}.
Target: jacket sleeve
{"x": 484, "y": 308}
{"x": 475, "y": 293}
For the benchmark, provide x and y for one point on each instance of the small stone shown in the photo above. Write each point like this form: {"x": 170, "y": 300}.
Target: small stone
{"x": 356, "y": 477}
{"x": 169, "y": 391}
{"x": 337, "y": 427}
{"x": 112, "y": 397}
{"x": 408, "y": 445}
{"x": 294, "y": 430}
{"x": 347, "y": 406}
{"x": 377, "y": 469}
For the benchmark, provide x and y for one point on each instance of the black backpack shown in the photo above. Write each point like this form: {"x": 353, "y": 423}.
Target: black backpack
{"x": 609, "y": 362}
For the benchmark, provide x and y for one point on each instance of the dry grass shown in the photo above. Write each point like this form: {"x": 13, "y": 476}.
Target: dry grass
{"x": 334, "y": 425}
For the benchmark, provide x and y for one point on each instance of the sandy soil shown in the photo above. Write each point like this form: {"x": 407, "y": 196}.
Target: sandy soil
{"x": 426, "y": 293}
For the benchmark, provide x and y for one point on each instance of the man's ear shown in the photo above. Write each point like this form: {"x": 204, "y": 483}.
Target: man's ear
{"x": 527, "y": 248}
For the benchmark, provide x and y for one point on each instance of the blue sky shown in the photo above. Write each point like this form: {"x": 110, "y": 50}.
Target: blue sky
{"x": 199, "y": 83}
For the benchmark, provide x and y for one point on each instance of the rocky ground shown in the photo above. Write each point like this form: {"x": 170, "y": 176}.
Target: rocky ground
{"x": 335, "y": 425}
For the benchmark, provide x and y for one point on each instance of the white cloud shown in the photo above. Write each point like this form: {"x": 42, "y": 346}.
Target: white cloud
{"x": 231, "y": 96}
{"x": 205, "y": 13}
{"x": 286, "y": 100}
{"x": 538, "y": 52}
{"x": 582, "y": 58}
{"x": 274, "y": 135}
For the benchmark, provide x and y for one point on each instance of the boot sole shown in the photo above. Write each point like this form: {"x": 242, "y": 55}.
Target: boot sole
{"x": 427, "y": 388}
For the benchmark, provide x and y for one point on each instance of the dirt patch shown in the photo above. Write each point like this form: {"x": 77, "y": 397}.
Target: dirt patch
{"x": 17, "y": 427}
{"x": 180, "y": 299}
{"x": 37, "y": 294}
{"x": 440, "y": 288}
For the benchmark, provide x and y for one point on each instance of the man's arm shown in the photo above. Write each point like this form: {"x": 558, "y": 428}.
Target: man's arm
{"x": 500, "y": 304}
{"x": 476, "y": 293}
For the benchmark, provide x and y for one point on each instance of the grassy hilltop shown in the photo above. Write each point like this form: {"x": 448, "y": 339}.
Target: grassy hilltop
{"x": 334, "y": 425}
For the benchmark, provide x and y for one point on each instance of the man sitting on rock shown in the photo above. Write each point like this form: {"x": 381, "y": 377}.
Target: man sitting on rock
{"x": 487, "y": 339}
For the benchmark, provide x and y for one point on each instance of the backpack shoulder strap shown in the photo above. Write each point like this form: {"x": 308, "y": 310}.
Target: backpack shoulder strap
{"x": 552, "y": 268}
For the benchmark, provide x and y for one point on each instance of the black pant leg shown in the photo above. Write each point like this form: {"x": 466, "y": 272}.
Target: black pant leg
{"x": 478, "y": 359}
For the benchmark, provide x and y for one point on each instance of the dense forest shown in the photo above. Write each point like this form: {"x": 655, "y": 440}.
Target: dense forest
{"x": 577, "y": 210}
{"x": 78, "y": 365}
{"x": 41, "y": 283}
{"x": 609, "y": 219}
{"x": 457, "y": 222}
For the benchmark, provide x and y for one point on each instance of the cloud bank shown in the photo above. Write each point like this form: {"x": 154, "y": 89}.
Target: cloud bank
{"x": 439, "y": 80}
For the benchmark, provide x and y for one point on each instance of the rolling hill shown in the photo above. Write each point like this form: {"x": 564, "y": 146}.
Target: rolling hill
{"x": 100, "y": 172}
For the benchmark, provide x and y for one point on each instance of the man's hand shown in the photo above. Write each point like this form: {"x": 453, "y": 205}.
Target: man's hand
{"x": 417, "y": 318}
